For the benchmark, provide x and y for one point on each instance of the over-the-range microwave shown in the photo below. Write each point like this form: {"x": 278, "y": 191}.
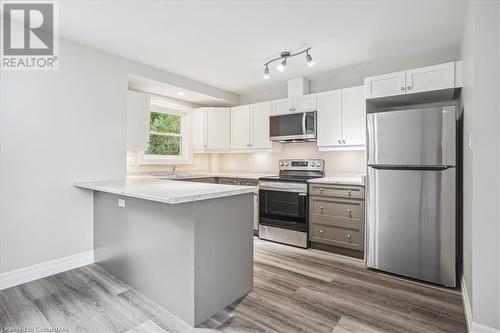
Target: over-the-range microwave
{"x": 293, "y": 127}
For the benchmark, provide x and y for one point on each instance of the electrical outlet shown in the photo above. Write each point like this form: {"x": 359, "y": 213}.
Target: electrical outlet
{"x": 121, "y": 202}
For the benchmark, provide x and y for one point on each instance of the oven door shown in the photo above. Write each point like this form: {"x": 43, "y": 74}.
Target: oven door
{"x": 284, "y": 208}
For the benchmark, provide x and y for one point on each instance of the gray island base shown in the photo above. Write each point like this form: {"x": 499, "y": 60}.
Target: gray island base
{"x": 192, "y": 258}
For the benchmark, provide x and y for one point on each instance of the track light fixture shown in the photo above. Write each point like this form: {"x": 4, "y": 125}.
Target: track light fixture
{"x": 282, "y": 65}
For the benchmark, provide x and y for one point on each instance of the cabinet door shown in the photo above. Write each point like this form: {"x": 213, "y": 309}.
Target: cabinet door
{"x": 260, "y": 125}
{"x": 305, "y": 103}
{"x": 218, "y": 127}
{"x": 282, "y": 106}
{"x": 430, "y": 78}
{"x": 354, "y": 116}
{"x": 137, "y": 121}
{"x": 329, "y": 122}
{"x": 199, "y": 129}
{"x": 240, "y": 127}
{"x": 385, "y": 85}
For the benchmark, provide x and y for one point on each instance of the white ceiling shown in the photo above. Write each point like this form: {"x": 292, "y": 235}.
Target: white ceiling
{"x": 225, "y": 43}
{"x": 159, "y": 88}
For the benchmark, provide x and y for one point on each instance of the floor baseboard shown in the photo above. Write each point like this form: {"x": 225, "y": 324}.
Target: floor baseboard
{"x": 38, "y": 271}
{"x": 471, "y": 325}
{"x": 466, "y": 301}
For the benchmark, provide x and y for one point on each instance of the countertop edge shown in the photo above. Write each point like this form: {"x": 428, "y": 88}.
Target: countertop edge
{"x": 327, "y": 181}
{"x": 172, "y": 201}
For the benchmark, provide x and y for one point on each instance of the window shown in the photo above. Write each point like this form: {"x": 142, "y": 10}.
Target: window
{"x": 169, "y": 128}
{"x": 165, "y": 136}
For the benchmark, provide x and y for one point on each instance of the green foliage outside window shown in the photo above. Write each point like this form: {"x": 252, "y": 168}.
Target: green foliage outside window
{"x": 165, "y": 134}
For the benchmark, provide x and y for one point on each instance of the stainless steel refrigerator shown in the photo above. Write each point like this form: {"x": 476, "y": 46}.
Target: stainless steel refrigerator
{"x": 410, "y": 204}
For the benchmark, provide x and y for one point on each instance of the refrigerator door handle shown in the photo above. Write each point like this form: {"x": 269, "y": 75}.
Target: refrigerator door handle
{"x": 409, "y": 167}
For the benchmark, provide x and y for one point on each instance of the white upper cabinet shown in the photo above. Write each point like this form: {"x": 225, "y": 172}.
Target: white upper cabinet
{"x": 412, "y": 81}
{"x": 260, "y": 125}
{"x": 212, "y": 129}
{"x": 137, "y": 121}
{"x": 430, "y": 78}
{"x": 305, "y": 103}
{"x": 329, "y": 121}
{"x": 354, "y": 116}
{"x": 218, "y": 128}
{"x": 341, "y": 119}
{"x": 199, "y": 129}
{"x": 250, "y": 126}
{"x": 301, "y": 103}
{"x": 385, "y": 85}
{"x": 281, "y": 106}
{"x": 241, "y": 127}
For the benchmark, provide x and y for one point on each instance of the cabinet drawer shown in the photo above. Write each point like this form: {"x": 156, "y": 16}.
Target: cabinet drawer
{"x": 345, "y": 191}
{"x": 342, "y": 236}
{"x": 331, "y": 208}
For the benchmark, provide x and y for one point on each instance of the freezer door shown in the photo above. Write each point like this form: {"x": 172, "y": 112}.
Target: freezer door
{"x": 410, "y": 227}
{"x": 416, "y": 137}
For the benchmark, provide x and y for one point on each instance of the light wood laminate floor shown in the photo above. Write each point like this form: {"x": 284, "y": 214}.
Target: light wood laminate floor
{"x": 295, "y": 290}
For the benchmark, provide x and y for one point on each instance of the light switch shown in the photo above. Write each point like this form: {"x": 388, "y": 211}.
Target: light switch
{"x": 121, "y": 202}
{"x": 469, "y": 141}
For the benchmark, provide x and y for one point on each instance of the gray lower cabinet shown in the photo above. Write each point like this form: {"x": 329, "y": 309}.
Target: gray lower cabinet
{"x": 337, "y": 216}
{"x": 235, "y": 181}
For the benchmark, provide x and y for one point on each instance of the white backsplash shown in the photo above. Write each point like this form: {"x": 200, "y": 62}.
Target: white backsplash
{"x": 336, "y": 163}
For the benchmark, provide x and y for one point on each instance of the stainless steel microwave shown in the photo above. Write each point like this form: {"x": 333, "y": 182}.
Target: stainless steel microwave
{"x": 293, "y": 127}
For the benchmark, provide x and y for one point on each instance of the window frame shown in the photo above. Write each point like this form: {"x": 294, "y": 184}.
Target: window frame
{"x": 186, "y": 156}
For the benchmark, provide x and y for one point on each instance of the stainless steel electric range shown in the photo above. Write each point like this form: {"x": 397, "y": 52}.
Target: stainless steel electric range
{"x": 284, "y": 202}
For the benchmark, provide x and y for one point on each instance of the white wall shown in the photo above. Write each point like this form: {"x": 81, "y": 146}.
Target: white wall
{"x": 56, "y": 128}
{"x": 481, "y": 52}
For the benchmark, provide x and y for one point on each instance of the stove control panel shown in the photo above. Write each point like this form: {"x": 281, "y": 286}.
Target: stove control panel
{"x": 305, "y": 165}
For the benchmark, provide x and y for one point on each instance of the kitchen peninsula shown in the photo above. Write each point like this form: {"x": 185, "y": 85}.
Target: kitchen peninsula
{"x": 186, "y": 245}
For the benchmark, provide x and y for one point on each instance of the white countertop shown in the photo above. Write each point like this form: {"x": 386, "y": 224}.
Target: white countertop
{"x": 166, "y": 191}
{"x": 358, "y": 180}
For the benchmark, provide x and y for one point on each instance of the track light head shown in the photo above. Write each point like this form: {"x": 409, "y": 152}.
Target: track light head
{"x": 309, "y": 59}
{"x": 281, "y": 66}
{"x": 266, "y": 74}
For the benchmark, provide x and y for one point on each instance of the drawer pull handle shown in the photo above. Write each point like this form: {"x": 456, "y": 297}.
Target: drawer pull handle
{"x": 321, "y": 207}
{"x": 349, "y": 192}
{"x": 321, "y": 231}
{"x": 350, "y": 213}
{"x": 348, "y": 236}
{"x": 321, "y": 189}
